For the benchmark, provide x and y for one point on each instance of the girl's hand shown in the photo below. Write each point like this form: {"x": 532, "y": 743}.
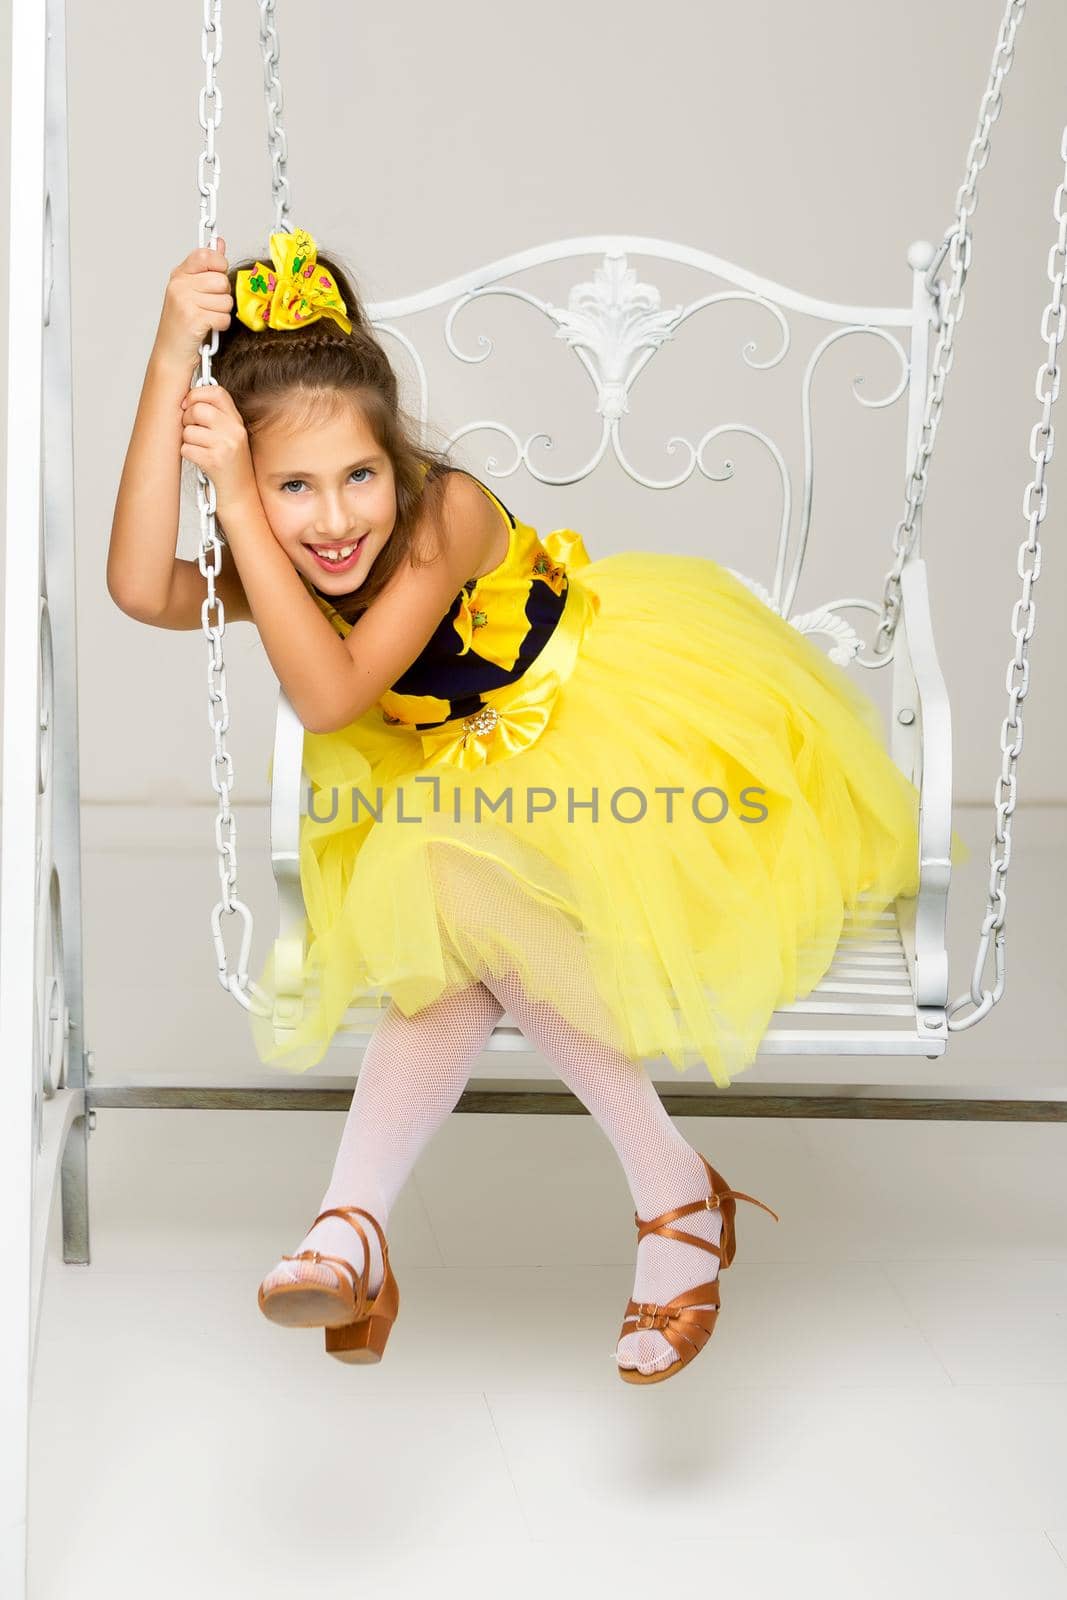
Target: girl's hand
{"x": 197, "y": 299}
{"x": 214, "y": 438}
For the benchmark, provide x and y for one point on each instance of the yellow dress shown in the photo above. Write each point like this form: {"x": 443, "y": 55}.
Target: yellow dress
{"x": 626, "y": 780}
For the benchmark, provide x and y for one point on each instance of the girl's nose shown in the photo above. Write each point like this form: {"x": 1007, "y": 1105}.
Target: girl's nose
{"x": 334, "y": 522}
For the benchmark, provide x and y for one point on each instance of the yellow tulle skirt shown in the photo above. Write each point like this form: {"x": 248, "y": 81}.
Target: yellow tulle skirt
{"x": 667, "y": 863}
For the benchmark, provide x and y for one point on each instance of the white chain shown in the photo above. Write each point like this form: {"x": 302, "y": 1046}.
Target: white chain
{"x": 949, "y": 312}
{"x": 238, "y": 983}
{"x": 276, "y": 140}
{"x": 1023, "y": 620}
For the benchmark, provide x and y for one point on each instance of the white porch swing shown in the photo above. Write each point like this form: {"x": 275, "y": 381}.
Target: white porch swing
{"x": 886, "y": 993}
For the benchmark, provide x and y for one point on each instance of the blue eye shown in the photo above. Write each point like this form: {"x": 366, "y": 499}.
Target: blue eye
{"x": 352, "y": 474}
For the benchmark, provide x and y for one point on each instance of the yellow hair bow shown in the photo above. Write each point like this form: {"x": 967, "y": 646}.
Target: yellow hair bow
{"x": 297, "y": 292}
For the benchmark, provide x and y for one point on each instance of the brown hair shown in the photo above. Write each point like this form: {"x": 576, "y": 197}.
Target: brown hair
{"x": 304, "y": 370}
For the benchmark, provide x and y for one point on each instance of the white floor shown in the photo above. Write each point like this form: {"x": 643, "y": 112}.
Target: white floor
{"x": 882, "y": 1410}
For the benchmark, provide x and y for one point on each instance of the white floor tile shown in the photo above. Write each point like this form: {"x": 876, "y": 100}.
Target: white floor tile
{"x": 990, "y": 1320}
{"x": 678, "y": 1461}
{"x": 984, "y": 1566}
{"x": 199, "y": 1446}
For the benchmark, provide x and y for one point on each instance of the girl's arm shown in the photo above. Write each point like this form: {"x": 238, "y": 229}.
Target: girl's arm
{"x": 331, "y": 681}
{"x": 145, "y": 578}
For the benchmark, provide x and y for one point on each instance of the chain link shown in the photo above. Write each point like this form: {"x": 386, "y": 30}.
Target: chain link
{"x": 1023, "y": 621}
{"x": 947, "y": 316}
{"x": 209, "y": 559}
{"x": 272, "y": 89}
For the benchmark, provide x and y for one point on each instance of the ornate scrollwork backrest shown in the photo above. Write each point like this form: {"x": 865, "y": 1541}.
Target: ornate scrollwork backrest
{"x": 615, "y": 322}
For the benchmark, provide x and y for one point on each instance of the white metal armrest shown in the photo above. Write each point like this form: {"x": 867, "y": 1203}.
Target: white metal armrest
{"x": 931, "y": 747}
{"x": 287, "y": 789}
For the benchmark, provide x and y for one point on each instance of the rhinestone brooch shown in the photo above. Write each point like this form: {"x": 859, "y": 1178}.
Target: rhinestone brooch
{"x": 481, "y": 721}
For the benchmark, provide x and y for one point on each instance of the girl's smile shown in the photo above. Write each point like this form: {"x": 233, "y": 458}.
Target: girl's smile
{"x": 341, "y": 562}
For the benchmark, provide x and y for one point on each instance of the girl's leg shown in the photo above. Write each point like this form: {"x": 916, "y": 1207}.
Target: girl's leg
{"x": 413, "y": 1072}
{"x": 662, "y": 1169}
{"x": 488, "y": 911}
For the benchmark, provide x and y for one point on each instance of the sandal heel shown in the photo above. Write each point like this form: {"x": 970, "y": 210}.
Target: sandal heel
{"x": 363, "y": 1341}
{"x": 359, "y": 1342}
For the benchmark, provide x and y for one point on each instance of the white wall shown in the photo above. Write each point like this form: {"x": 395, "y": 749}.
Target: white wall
{"x": 809, "y": 143}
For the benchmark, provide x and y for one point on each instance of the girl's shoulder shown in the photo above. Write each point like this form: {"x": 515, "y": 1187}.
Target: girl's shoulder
{"x": 468, "y": 517}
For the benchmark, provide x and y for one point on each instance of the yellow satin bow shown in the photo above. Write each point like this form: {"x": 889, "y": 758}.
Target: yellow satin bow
{"x": 492, "y": 733}
{"x": 567, "y": 548}
{"x": 297, "y": 292}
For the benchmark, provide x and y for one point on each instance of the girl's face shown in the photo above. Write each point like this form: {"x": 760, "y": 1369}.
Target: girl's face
{"x": 329, "y": 495}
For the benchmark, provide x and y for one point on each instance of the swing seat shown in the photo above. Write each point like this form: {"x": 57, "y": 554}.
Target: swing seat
{"x": 886, "y": 991}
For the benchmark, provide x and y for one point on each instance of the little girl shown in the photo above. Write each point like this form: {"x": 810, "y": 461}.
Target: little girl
{"x": 622, "y": 799}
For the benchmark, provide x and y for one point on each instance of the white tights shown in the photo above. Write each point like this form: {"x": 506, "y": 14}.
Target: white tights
{"x": 413, "y": 1072}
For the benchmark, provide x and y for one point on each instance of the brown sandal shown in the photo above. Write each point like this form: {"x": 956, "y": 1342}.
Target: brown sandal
{"x": 355, "y": 1325}
{"x": 684, "y": 1326}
